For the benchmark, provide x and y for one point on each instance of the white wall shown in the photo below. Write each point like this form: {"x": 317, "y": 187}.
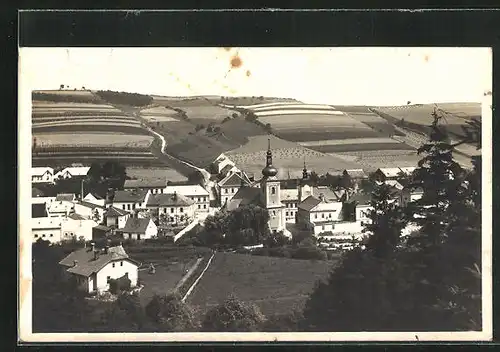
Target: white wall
{"x": 122, "y": 220}
{"x": 128, "y": 205}
{"x": 48, "y": 176}
{"x": 189, "y": 211}
{"x": 116, "y": 272}
{"x": 341, "y": 228}
{"x": 41, "y": 200}
{"x": 87, "y": 211}
{"x": 77, "y": 228}
{"x": 52, "y": 235}
{"x": 227, "y": 193}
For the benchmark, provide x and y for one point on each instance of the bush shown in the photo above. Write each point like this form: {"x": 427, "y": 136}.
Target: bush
{"x": 118, "y": 285}
{"x": 312, "y": 253}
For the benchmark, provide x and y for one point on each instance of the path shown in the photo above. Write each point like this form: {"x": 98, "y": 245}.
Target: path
{"x": 188, "y": 274}
{"x": 198, "y": 279}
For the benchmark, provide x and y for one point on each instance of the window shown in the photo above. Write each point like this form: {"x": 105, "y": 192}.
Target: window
{"x": 181, "y": 210}
{"x": 121, "y": 263}
{"x": 164, "y": 210}
{"x": 286, "y": 213}
{"x": 133, "y": 206}
{"x": 113, "y": 265}
{"x": 330, "y": 215}
{"x": 171, "y": 210}
{"x": 199, "y": 206}
{"x": 43, "y": 235}
{"x": 51, "y": 235}
{"x": 322, "y": 215}
{"x": 171, "y": 219}
{"x": 128, "y": 206}
{"x": 315, "y": 215}
{"x": 225, "y": 190}
{"x": 36, "y": 236}
{"x": 273, "y": 190}
{"x": 123, "y": 206}
{"x": 322, "y": 227}
{"x": 204, "y": 206}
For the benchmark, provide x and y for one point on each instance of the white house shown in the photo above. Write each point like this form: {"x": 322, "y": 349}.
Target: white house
{"x": 90, "y": 210}
{"x": 60, "y": 208}
{"x": 221, "y": 162}
{"x": 389, "y": 173}
{"x": 138, "y": 229}
{"x": 230, "y": 185}
{"x": 318, "y": 215}
{"x": 290, "y": 198}
{"x": 116, "y": 218}
{"x": 94, "y": 199}
{"x": 130, "y": 200}
{"x": 47, "y": 229}
{"x": 172, "y": 208}
{"x": 69, "y": 172}
{"x": 199, "y": 195}
{"x": 42, "y": 175}
{"x": 77, "y": 227}
{"x": 94, "y": 268}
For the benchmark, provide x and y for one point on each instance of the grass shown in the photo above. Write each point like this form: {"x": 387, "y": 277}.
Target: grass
{"x": 94, "y": 139}
{"x": 276, "y": 285}
{"x": 370, "y": 160}
{"x": 360, "y": 147}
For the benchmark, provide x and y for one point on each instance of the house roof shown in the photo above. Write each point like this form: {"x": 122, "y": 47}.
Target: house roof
{"x": 76, "y": 216}
{"x": 169, "y": 199}
{"x": 69, "y": 197}
{"x": 145, "y": 183}
{"x": 86, "y": 264}
{"x": 187, "y": 190}
{"x": 226, "y": 169}
{"x": 309, "y": 203}
{"x": 128, "y": 196}
{"x": 75, "y": 170}
{"x": 136, "y": 225}
{"x": 101, "y": 228}
{"x": 60, "y": 206}
{"x": 326, "y": 191}
{"x": 90, "y": 205}
{"x": 360, "y": 198}
{"x": 39, "y": 171}
{"x": 394, "y": 184}
{"x": 35, "y": 192}
{"x": 96, "y": 196}
{"x": 113, "y": 211}
{"x": 244, "y": 196}
{"x": 407, "y": 170}
{"x": 390, "y": 171}
{"x": 232, "y": 180}
{"x": 290, "y": 194}
{"x": 38, "y": 210}
{"x": 356, "y": 173}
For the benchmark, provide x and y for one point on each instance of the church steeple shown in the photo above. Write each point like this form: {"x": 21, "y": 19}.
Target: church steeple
{"x": 269, "y": 170}
{"x": 304, "y": 170}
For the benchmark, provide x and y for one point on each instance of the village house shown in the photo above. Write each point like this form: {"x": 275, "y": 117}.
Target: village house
{"x": 172, "y": 208}
{"x": 47, "y": 229}
{"x": 95, "y": 199}
{"x": 90, "y": 210}
{"x": 42, "y": 175}
{"x": 318, "y": 215}
{"x": 131, "y": 199}
{"x": 199, "y": 195}
{"x": 230, "y": 185}
{"x": 153, "y": 186}
{"x": 70, "y": 172}
{"x": 138, "y": 229}
{"x": 220, "y": 163}
{"x": 60, "y": 208}
{"x": 93, "y": 268}
{"x": 361, "y": 204}
{"x": 116, "y": 218}
{"x": 384, "y": 174}
{"x": 355, "y": 174}
{"x": 100, "y": 233}
{"x": 76, "y": 227}
{"x": 290, "y": 197}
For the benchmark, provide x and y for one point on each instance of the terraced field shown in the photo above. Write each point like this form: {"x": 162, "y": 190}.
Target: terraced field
{"x": 94, "y": 140}
{"x": 275, "y": 285}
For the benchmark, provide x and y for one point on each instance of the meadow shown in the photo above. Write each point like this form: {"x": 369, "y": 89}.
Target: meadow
{"x": 94, "y": 140}
{"x": 276, "y": 285}
{"x": 156, "y": 173}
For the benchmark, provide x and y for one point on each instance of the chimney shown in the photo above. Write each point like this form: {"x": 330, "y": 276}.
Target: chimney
{"x": 175, "y": 195}
{"x": 322, "y": 197}
{"x": 106, "y": 249}
{"x": 75, "y": 263}
{"x": 96, "y": 255}
{"x": 92, "y": 246}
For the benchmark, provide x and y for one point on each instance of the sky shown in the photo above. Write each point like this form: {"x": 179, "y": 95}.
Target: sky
{"x": 342, "y": 76}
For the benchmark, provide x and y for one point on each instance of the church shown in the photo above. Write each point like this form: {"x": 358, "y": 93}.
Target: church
{"x": 265, "y": 193}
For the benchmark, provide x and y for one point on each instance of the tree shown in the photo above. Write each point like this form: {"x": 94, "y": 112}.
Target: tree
{"x": 169, "y": 313}
{"x": 276, "y": 239}
{"x": 387, "y": 220}
{"x": 346, "y": 183}
{"x": 233, "y": 316}
{"x": 125, "y": 314}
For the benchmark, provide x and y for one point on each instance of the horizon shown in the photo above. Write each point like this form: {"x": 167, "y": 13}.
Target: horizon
{"x": 359, "y": 76}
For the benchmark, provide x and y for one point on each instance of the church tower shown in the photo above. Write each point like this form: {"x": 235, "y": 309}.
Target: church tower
{"x": 270, "y": 193}
{"x": 305, "y": 186}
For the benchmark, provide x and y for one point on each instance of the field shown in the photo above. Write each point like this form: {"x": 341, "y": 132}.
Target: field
{"x": 159, "y": 114}
{"x": 276, "y": 285}
{"x": 288, "y": 157}
{"x": 418, "y": 117}
{"x": 370, "y": 160}
{"x": 154, "y": 174}
{"x": 77, "y": 124}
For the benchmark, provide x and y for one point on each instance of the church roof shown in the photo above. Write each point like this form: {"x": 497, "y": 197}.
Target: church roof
{"x": 244, "y": 196}
{"x": 309, "y": 203}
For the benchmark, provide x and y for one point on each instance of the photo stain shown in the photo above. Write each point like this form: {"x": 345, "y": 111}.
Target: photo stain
{"x": 426, "y": 58}
{"x": 227, "y": 49}
{"x": 248, "y": 73}
{"x": 236, "y": 62}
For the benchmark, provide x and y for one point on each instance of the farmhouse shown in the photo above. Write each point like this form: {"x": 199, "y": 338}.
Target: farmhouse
{"x": 172, "y": 208}
{"x": 115, "y": 217}
{"x": 199, "y": 195}
{"x": 95, "y": 199}
{"x": 94, "y": 268}
{"x": 90, "y": 210}
{"x": 130, "y": 200}
{"x": 383, "y": 174}
{"x": 70, "y": 172}
{"x": 77, "y": 227}
{"x": 138, "y": 229}
{"x": 154, "y": 186}
{"x": 42, "y": 175}
{"x": 47, "y": 229}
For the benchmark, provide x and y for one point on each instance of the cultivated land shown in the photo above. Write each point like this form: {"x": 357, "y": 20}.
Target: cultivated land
{"x": 155, "y": 174}
{"x": 78, "y": 124}
{"x": 276, "y": 285}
